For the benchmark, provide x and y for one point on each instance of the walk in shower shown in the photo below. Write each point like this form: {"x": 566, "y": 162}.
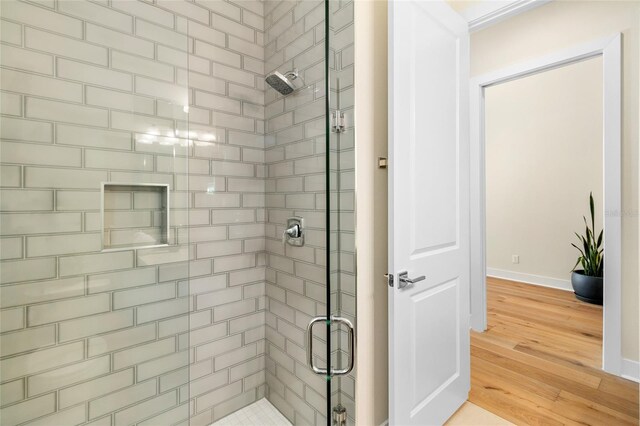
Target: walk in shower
{"x": 170, "y": 223}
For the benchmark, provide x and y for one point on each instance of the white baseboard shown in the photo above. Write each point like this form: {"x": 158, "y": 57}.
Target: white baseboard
{"x": 530, "y": 279}
{"x": 631, "y": 370}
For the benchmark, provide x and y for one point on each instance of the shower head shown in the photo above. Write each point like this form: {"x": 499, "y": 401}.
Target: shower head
{"x": 282, "y": 83}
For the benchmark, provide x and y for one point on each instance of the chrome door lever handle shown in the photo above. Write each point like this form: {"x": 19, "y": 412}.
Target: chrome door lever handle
{"x": 404, "y": 280}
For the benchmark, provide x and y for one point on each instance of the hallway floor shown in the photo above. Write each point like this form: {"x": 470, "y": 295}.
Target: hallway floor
{"x": 539, "y": 360}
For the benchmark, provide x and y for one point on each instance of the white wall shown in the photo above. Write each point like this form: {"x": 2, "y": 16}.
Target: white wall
{"x": 559, "y": 25}
{"x": 543, "y": 157}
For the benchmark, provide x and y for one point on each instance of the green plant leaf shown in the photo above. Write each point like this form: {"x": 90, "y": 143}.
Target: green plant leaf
{"x": 587, "y": 231}
{"x": 587, "y": 247}
{"x": 601, "y": 267}
{"x": 591, "y": 254}
{"x": 591, "y": 208}
{"x": 574, "y": 266}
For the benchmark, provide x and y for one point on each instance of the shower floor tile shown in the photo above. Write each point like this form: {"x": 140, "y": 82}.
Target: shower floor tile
{"x": 260, "y": 413}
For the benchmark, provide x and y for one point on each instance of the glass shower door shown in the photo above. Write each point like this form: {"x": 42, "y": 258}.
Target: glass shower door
{"x": 297, "y": 153}
{"x": 337, "y": 318}
{"x": 93, "y": 204}
{"x": 342, "y": 208}
{"x": 148, "y": 175}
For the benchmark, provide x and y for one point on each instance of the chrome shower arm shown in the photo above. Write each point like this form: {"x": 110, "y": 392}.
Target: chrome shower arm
{"x": 293, "y": 74}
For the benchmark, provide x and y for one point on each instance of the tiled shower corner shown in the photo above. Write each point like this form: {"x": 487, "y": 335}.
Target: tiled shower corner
{"x": 260, "y": 413}
{"x": 295, "y": 157}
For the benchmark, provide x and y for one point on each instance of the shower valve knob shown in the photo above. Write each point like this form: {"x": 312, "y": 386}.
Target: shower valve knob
{"x": 293, "y": 233}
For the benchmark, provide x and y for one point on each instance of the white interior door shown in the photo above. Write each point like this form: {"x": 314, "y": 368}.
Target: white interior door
{"x": 428, "y": 212}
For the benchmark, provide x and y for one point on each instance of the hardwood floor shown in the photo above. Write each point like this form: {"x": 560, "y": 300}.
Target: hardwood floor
{"x": 539, "y": 361}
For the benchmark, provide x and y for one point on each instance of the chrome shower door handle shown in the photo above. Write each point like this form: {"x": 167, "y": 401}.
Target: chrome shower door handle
{"x": 324, "y": 371}
{"x": 404, "y": 280}
{"x": 317, "y": 370}
{"x": 351, "y": 348}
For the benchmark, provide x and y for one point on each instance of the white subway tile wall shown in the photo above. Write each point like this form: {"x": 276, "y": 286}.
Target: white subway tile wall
{"x": 98, "y": 92}
{"x": 295, "y": 186}
{"x": 295, "y": 156}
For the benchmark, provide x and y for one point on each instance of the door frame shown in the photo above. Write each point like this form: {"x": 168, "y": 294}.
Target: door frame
{"x": 609, "y": 48}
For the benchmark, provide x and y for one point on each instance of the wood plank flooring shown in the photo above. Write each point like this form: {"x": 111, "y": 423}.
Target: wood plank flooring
{"x": 539, "y": 361}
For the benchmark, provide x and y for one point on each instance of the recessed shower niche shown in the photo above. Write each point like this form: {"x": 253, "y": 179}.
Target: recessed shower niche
{"x": 134, "y": 215}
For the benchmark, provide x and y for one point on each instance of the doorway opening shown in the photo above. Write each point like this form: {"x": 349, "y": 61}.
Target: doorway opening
{"x": 543, "y": 159}
{"x": 608, "y": 49}
{"x": 523, "y": 377}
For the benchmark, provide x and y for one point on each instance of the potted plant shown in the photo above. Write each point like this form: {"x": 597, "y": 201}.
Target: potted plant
{"x": 587, "y": 282}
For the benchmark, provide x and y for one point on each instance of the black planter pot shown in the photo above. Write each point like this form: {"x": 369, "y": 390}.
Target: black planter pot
{"x": 587, "y": 288}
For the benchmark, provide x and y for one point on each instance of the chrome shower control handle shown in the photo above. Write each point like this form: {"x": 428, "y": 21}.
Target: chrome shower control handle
{"x": 294, "y": 231}
{"x": 293, "y": 234}
{"x": 404, "y": 280}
